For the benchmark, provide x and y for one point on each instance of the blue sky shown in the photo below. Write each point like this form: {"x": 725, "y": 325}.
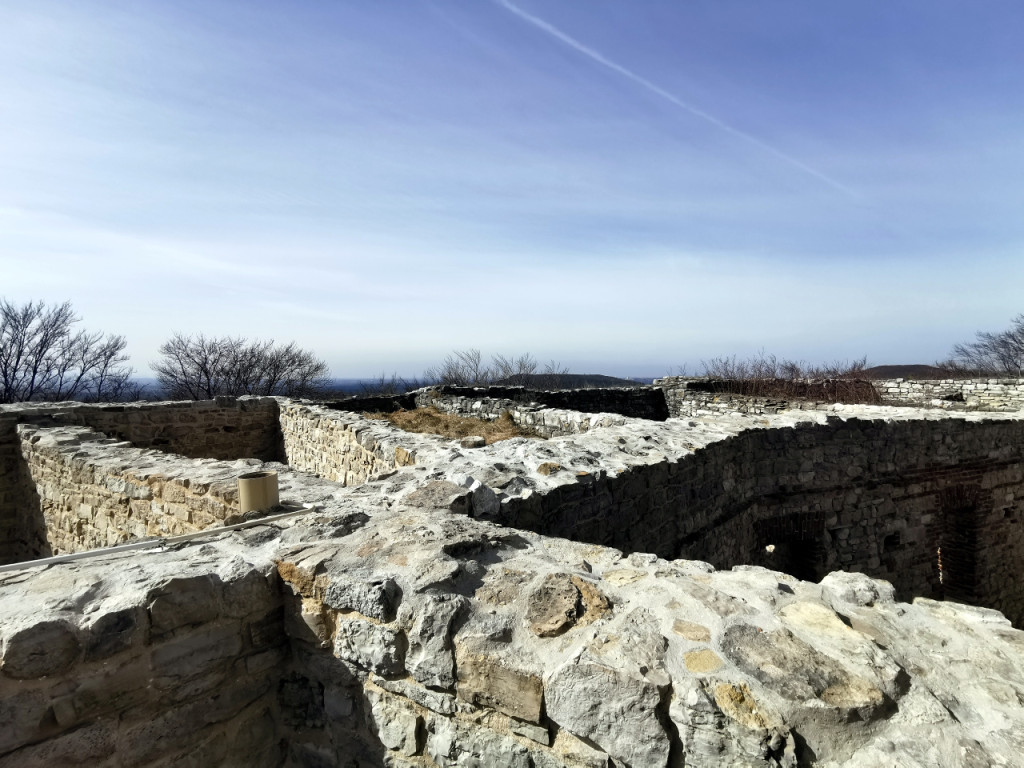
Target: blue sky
{"x": 625, "y": 187}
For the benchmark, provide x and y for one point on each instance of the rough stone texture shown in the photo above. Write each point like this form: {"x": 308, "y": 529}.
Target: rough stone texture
{"x": 95, "y": 491}
{"x": 99, "y": 667}
{"x": 396, "y": 627}
{"x": 691, "y": 396}
{"x": 339, "y": 446}
{"x": 980, "y": 394}
{"x": 634, "y": 402}
{"x": 226, "y": 429}
{"x": 687, "y": 397}
{"x": 213, "y": 672}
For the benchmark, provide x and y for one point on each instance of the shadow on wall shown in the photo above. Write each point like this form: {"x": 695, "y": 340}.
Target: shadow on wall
{"x": 30, "y": 542}
{"x": 923, "y": 505}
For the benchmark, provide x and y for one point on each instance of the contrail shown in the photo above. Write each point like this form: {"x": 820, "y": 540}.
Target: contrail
{"x": 590, "y": 53}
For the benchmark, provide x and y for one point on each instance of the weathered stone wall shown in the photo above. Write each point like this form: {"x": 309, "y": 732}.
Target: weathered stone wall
{"x": 489, "y": 402}
{"x": 634, "y": 402}
{"x": 340, "y": 446}
{"x": 980, "y": 394}
{"x": 546, "y": 422}
{"x": 687, "y": 396}
{"x": 95, "y": 491}
{"x": 225, "y": 428}
{"x": 18, "y": 536}
{"x": 162, "y": 669}
{"x": 420, "y": 638}
{"x": 861, "y": 495}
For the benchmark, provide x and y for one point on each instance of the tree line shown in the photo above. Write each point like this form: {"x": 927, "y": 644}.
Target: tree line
{"x": 45, "y": 356}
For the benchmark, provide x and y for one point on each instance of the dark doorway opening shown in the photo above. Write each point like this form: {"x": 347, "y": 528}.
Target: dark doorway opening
{"x": 792, "y": 544}
{"x": 956, "y": 555}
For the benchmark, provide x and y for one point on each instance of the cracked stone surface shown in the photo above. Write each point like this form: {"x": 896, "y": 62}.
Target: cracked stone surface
{"x": 396, "y": 625}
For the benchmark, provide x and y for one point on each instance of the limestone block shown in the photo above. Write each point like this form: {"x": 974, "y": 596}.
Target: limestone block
{"x": 500, "y": 683}
{"x": 86, "y": 746}
{"x": 396, "y": 725}
{"x": 181, "y": 601}
{"x": 197, "y": 653}
{"x": 111, "y": 632}
{"x": 376, "y": 599}
{"x": 722, "y": 724}
{"x": 41, "y": 649}
{"x": 613, "y": 708}
{"x": 22, "y": 715}
{"x": 451, "y": 743}
{"x": 371, "y": 646}
{"x": 554, "y": 606}
{"x": 442, "y": 703}
{"x": 841, "y": 587}
{"x": 798, "y": 672}
{"x": 431, "y": 658}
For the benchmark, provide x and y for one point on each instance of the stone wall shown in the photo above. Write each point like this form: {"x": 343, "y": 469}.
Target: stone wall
{"x": 343, "y": 447}
{"x": 177, "y": 662}
{"x": 634, "y": 402}
{"x": 418, "y": 638}
{"x": 546, "y": 422}
{"x": 95, "y": 491}
{"x": 862, "y": 495}
{"x": 979, "y": 394}
{"x": 687, "y": 396}
{"x": 226, "y": 428}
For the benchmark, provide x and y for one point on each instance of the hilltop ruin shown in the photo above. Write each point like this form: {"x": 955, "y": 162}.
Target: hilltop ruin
{"x": 678, "y": 576}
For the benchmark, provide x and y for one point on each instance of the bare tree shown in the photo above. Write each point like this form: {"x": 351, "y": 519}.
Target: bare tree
{"x": 553, "y": 376}
{"x": 995, "y": 354}
{"x": 516, "y": 371}
{"x": 43, "y": 357}
{"x": 201, "y": 368}
{"x": 765, "y": 367}
{"x": 764, "y": 375}
{"x": 465, "y": 368}
{"x": 462, "y": 368}
{"x": 385, "y": 385}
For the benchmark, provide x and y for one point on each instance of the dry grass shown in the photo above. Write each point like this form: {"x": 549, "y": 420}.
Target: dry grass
{"x": 454, "y": 427}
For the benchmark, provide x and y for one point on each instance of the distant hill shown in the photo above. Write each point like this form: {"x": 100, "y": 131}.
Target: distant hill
{"x": 569, "y": 381}
{"x": 904, "y": 372}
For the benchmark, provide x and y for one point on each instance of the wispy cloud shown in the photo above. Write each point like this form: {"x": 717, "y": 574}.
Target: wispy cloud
{"x": 643, "y": 82}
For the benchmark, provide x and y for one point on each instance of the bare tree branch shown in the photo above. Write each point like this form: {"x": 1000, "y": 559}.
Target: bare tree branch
{"x": 465, "y": 368}
{"x": 41, "y": 358}
{"x": 991, "y": 354}
{"x": 201, "y": 368}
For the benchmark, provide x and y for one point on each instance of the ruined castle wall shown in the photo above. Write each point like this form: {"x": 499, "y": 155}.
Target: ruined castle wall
{"x": 546, "y": 422}
{"x": 226, "y": 428}
{"x": 872, "y": 496}
{"x": 383, "y": 631}
{"x": 981, "y": 394}
{"x": 95, "y": 491}
{"x": 185, "y": 673}
{"x": 686, "y": 396}
{"x": 634, "y": 402}
{"x": 339, "y": 446}
{"x": 16, "y": 494}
